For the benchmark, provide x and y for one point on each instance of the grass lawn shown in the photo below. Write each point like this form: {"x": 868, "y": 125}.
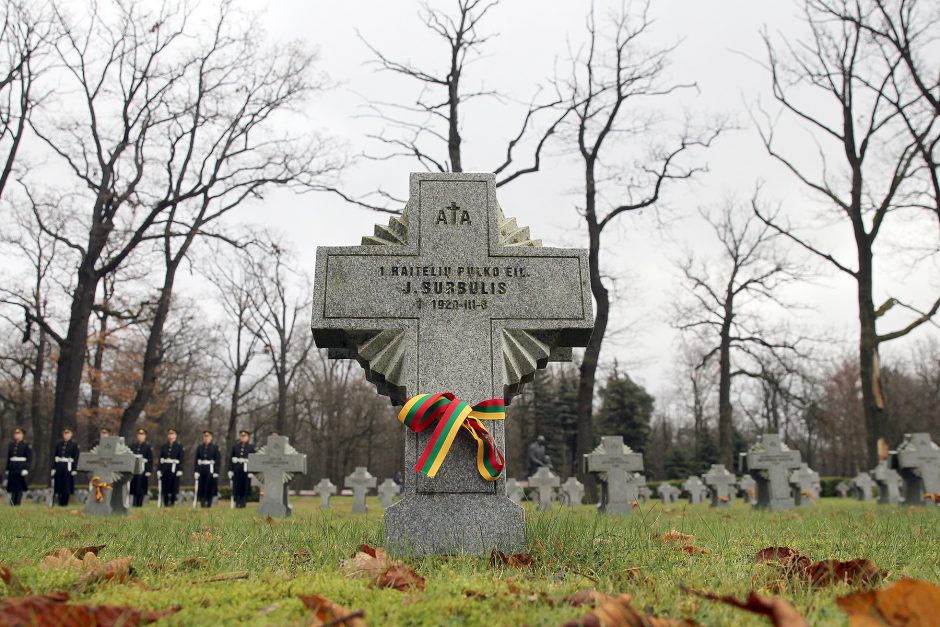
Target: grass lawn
{"x": 249, "y": 569}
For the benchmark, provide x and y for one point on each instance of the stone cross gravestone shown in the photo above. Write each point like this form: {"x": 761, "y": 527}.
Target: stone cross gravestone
{"x": 804, "y": 481}
{"x": 769, "y": 461}
{"x": 696, "y": 490}
{"x": 514, "y": 491}
{"x": 889, "y": 483}
{"x": 637, "y": 485}
{"x": 720, "y": 484}
{"x": 277, "y": 462}
{"x": 110, "y": 466}
{"x": 359, "y": 482}
{"x": 572, "y": 492}
{"x": 325, "y": 489}
{"x": 614, "y": 462}
{"x": 862, "y": 486}
{"x": 544, "y": 481}
{"x": 748, "y": 488}
{"x": 387, "y": 493}
{"x": 917, "y": 460}
{"x": 843, "y": 489}
{"x": 452, "y": 297}
{"x": 668, "y": 493}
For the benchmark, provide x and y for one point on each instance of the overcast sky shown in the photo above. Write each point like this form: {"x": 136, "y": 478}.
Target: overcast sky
{"x": 717, "y": 38}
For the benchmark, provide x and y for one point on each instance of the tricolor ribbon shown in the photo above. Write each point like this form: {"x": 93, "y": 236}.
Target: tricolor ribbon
{"x": 99, "y": 487}
{"x": 449, "y": 415}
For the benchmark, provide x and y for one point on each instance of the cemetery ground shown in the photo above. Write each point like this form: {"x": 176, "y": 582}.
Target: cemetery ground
{"x": 223, "y": 566}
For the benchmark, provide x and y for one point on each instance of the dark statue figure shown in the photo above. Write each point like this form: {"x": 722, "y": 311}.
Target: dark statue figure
{"x": 537, "y": 456}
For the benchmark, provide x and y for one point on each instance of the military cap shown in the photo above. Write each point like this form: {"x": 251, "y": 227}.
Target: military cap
{"x": 142, "y": 431}
{"x": 243, "y": 432}
{"x": 19, "y": 430}
{"x": 171, "y": 430}
{"x": 207, "y": 432}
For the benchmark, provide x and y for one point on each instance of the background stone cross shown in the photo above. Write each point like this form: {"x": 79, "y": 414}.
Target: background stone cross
{"x": 514, "y": 491}
{"x": 889, "y": 483}
{"x": 721, "y": 485}
{"x": 387, "y": 493}
{"x": 804, "y": 481}
{"x": 862, "y": 485}
{"x": 695, "y": 489}
{"x": 111, "y": 463}
{"x": 544, "y": 481}
{"x": 748, "y": 487}
{"x": 572, "y": 491}
{"x": 325, "y": 489}
{"x": 668, "y": 493}
{"x": 769, "y": 461}
{"x": 843, "y": 489}
{"x": 359, "y": 482}
{"x": 277, "y": 462}
{"x": 917, "y": 460}
{"x": 452, "y": 297}
{"x": 613, "y": 462}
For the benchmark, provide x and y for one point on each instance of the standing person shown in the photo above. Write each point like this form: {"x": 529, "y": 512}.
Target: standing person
{"x": 64, "y": 468}
{"x": 171, "y": 468}
{"x": 19, "y": 461}
{"x": 140, "y": 484}
{"x": 208, "y": 462}
{"x": 102, "y": 433}
{"x": 238, "y": 471}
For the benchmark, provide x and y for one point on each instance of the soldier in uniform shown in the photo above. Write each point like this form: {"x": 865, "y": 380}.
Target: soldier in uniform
{"x": 140, "y": 484}
{"x": 64, "y": 468}
{"x": 19, "y": 461}
{"x": 102, "y": 433}
{"x": 238, "y": 471}
{"x": 171, "y": 468}
{"x": 208, "y": 465}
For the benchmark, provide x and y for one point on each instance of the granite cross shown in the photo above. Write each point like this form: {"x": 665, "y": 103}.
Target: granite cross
{"x": 843, "y": 489}
{"x": 917, "y": 460}
{"x": 387, "y": 493}
{"x": 325, "y": 489}
{"x": 277, "y": 462}
{"x": 614, "y": 462}
{"x": 452, "y": 297}
{"x": 636, "y": 484}
{"x": 748, "y": 487}
{"x": 769, "y": 461}
{"x": 668, "y": 493}
{"x": 545, "y": 481}
{"x": 359, "y": 482}
{"x": 110, "y": 465}
{"x": 514, "y": 491}
{"x": 572, "y": 492}
{"x": 804, "y": 481}
{"x": 696, "y": 490}
{"x": 721, "y": 485}
{"x": 862, "y": 485}
{"x": 889, "y": 483}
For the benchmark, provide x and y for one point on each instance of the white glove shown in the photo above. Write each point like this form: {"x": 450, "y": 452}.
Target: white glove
{"x": 251, "y": 476}
{"x": 74, "y": 472}
{"x": 196, "y": 476}
{"x": 52, "y": 474}
{"x": 179, "y": 473}
{"x": 159, "y": 474}
{"x": 215, "y": 475}
{"x": 230, "y": 474}
{"x": 24, "y": 472}
{"x": 147, "y": 474}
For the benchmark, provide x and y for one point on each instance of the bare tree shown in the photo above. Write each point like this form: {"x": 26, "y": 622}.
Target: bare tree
{"x": 869, "y": 169}
{"x": 611, "y": 80}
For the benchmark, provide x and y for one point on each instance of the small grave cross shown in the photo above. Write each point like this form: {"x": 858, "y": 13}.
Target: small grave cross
{"x": 748, "y": 488}
{"x": 917, "y": 460}
{"x": 325, "y": 489}
{"x": 862, "y": 485}
{"x": 387, "y": 493}
{"x": 889, "y": 483}
{"x": 614, "y": 461}
{"x": 804, "y": 481}
{"x": 276, "y": 462}
{"x": 514, "y": 491}
{"x": 359, "y": 482}
{"x": 110, "y": 465}
{"x": 545, "y": 481}
{"x": 668, "y": 493}
{"x": 696, "y": 490}
{"x": 769, "y": 461}
{"x": 572, "y": 492}
{"x": 721, "y": 485}
{"x": 843, "y": 489}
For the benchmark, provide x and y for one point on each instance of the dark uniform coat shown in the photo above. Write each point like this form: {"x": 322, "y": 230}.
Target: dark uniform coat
{"x": 19, "y": 463}
{"x": 64, "y": 469}
{"x": 140, "y": 484}
{"x": 241, "y": 483}
{"x": 171, "y": 469}
{"x": 208, "y": 465}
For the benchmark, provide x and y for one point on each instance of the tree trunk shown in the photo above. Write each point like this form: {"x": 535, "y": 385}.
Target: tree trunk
{"x": 453, "y": 129}
{"x": 94, "y": 401}
{"x": 35, "y": 409}
{"x": 869, "y": 367}
{"x": 725, "y": 446}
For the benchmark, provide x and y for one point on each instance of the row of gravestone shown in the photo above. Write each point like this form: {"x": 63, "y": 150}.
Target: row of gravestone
{"x": 360, "y": 481}
{"x": 910, "y": 474}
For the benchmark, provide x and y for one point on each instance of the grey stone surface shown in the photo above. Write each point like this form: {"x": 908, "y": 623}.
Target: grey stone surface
{"x": 861, "y": 487}
{"x": 804, "y": 482}
{"x": 81, "y": 496}
{"x": 638, "y": 488}
{"x": 668, "y": 493}
{"x": 545, "y": 482}
{"x": 748, "y": 488}
{"x": 843, "y": 489}
{"x": 111, "y": 463}
{"x": 325, "y": 489}
{"x": 769, "y": 461}
{"x": 696, "y": 490}
{"x": 387, "y": 493}
{"x": 917, "y": 460}
{"x": 276, "y": 462}
{"x": 572, "y": 492}
{"x": 452, "y": 296}
{"x": 359, "y": 482}
{"x": 720, "y": 484}
{"x": 514, "y": 491}
{"x": 889, "y": 483}
{"x": 613, "y": 462}
{"x": 185, "y": 496}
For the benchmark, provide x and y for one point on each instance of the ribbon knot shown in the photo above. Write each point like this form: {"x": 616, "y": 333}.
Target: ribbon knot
{"x": 449, "y": 415}
{"x": 99, "y": 487}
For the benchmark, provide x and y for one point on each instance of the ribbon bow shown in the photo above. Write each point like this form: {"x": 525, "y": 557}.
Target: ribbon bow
{"x": 100, "y": 486}
{"x": 450, "y": 415}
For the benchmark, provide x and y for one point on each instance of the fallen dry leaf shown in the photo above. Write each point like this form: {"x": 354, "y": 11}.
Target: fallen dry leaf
{"x": 329, "y": 613}
{"x": 779, "y": 611}
{"x": 908, "y": 602}
{"x": 51, "y": 610}
{"x": 117, "y": 570}
{"x": 617, "y": 612}
{"x": 373, "y": 563}
{"x": 65, "y": 559}
{"x": 12, "y": 582}
{"x": 857, "y": 572}
{"x": 684, "y": 541}
{"x": 587, "y": 597}
{"x": 516, "y": 560}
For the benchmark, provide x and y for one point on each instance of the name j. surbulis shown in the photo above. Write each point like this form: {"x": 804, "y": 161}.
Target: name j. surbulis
{"x": 482, "y": 288}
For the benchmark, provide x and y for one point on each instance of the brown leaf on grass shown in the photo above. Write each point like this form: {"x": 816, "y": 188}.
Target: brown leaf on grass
{"x": 192, "y": 563}
{"x": 374, "y": 564}
{"x": 66, "y": 559}
{"x": 12, "y": 582}
{"x": 532, "y": 596}
{"x": 779, "y": 611}
{"x": 587, "y": 597}
{"x": 117, "y": 570}
{"x": 908, "y": 602}
{"x": 516, "y": 560}
{"x": 53, "y": 610}
{"x": 329, "y": 613}
{"x": 617, "y": 612}
{"x": 684, "y": 541}
{"x": 68, "y": 534}
{"x": 857, "y": 572}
